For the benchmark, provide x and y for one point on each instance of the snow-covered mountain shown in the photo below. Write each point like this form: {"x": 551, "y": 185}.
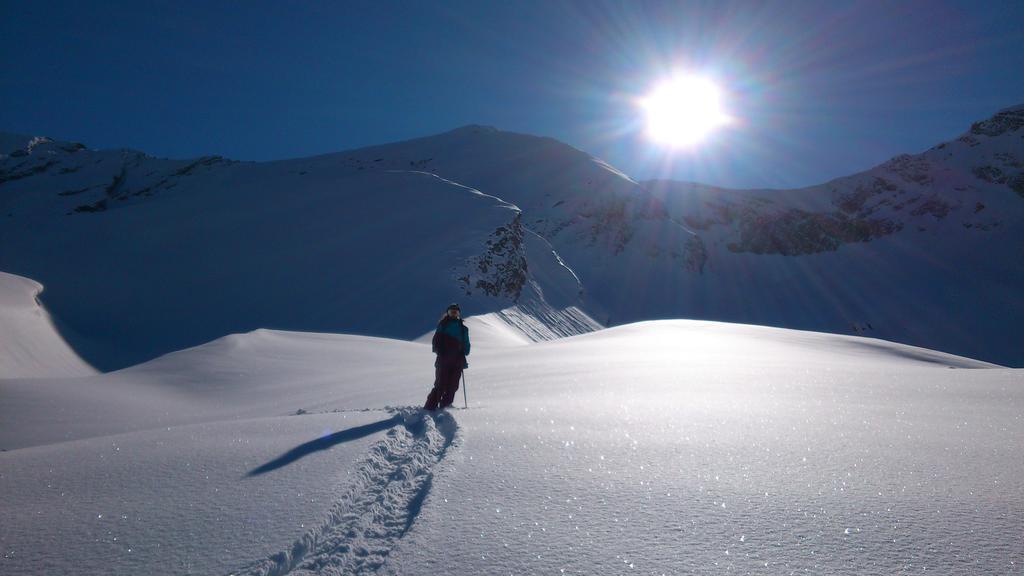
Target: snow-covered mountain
{"x": 142, "y": 256}
{"x": 925, "y": 248}
{"x": 664, "y": 447}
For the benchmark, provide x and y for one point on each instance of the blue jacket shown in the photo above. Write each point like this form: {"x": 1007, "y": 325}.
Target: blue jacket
{"x": 451, "y": 338}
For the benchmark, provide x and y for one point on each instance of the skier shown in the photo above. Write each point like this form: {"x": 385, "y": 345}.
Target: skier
{"x": 451, "y": 344}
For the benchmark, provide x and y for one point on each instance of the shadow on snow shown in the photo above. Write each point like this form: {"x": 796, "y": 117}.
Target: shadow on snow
{"x": 324, "y": 443}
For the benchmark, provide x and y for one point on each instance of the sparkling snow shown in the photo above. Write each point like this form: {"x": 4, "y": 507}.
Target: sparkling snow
{"x": 670, "y": 447}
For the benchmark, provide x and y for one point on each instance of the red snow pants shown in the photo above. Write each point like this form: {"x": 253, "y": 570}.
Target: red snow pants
{"x": 446, "y": 382}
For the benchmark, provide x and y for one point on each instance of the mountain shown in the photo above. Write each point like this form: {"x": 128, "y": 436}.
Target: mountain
{"x": 662, "y": 447}
{"x": 925, "y": 248}
{"x": 141, "y": 256}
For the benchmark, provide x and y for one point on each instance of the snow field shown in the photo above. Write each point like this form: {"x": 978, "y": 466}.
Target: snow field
{"x": 650, "y": 449}
{"x": 242, "y": 376}
{"x": 675, "y": 447}
{"x": 380, "y": 505}
{"x": 171, "y": 500}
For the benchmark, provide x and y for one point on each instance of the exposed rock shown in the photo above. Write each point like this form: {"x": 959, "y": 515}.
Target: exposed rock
{"x": 1008, "y": 160}
{"x": 794, "y": 232}
{"x": 72, "y": 147}
{"x": 989, "y": 174}
{"x": 969, "y": 140}
{"x": 610, "y": 222}
{"x": 1001, "y": 123}
{"x": 18, "y": 172}
{"x": 933, "y": 205}
{"x": 501, "y": 270}
{"x": 98, "y": 206}
{"x": 912, "y": 169}
{"x": 856, "y": 202}
{"x": 1017, "y": 184}
{"x": 116, "y": 184}
{"x": 694, "y": 254}
{"x": 714, "y": 214}
{"x": 74, "y": 192}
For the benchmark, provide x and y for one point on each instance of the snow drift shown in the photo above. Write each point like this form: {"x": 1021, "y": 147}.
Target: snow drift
{"x": 30, "y": 346}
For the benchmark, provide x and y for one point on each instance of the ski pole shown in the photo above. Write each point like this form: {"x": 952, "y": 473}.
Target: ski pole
{"x": 464, "y": 400}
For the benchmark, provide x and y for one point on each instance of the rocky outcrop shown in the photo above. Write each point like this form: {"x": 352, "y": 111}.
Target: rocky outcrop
{"x": 501, "y": 271}
{"x": 24, "y": 170}
{"x": 1003, "y": 168}
{"x": 911, "y": 169}
{"x": 866, "y": 197}
{"x": 694, "y": 255}
{"x": 794, "y": 232}
{"x": 1005, "y": 121}
{"x": 1016, "y": 184}
{"x": 120, "y": 189}
{"x": 610, "y": 223}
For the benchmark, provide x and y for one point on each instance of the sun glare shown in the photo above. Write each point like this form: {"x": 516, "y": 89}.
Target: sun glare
{"x": 683, "y": 111}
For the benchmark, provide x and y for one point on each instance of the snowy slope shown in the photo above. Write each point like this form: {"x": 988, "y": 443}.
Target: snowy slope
{"x": 30, "y": 345}
{"x": 170, "y": 254}
{"x": 157, "y": 216}
{"x": 661, "y": 447}
{"x": 925, "y": 249}
{"x": 617, "y": 241}
{"x": 143, "y": 256}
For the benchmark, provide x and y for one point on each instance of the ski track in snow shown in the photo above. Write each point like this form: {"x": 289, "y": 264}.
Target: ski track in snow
{"x": 378, "y": 509}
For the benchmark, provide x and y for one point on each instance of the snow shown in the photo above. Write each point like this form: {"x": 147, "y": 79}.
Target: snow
{"x": 659, "y": 447}
{"x": 254, "y": 427}
{"x": 168, "y": 254}
{"x": 921, "y": 284}
{"x": 489, "y": 331}
{"x": 30, "y": 345}
{"x": 359, "y": 252}
{"x": 169, "y": 501}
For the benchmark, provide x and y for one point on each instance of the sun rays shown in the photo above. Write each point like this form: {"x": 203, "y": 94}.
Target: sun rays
{"x": 683, "y": 111}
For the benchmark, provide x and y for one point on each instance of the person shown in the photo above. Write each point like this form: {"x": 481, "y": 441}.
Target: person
{"x": 451, "y": 344}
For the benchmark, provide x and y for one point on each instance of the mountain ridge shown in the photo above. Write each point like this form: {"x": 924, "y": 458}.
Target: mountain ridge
{"x": 858, "y": 253}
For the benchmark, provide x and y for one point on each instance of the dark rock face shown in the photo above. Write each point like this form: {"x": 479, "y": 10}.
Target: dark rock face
{"x": 933, "y": 205}
{"x": 694, "y": 255}
{"x": 24, "y": 170}
{"x": 610, "y": 222}
{"x": 794, "y": 232}
{"x": 120, "y": 187}
{"x": 1001, "y": 123}
{"x": 501, "y": 271}
{"x": 858, "y": 202}
{"x": 1017, "y": 184}
{"x": 912, "y": 169}
{"x": 871, "y": 205}
{"x": 714, "y": 215}
{"x": 123, "y": 175}
{"x": 1005, "y": 169}
{"x": 989, "y": 174}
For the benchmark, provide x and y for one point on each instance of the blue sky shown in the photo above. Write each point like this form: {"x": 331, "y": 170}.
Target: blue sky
{"x": 818, "y": 89}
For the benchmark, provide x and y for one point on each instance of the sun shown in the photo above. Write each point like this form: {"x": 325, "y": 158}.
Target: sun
{"x": 683, "y": 111}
